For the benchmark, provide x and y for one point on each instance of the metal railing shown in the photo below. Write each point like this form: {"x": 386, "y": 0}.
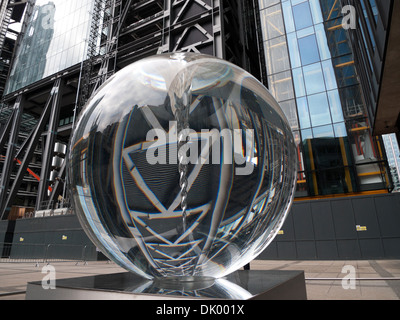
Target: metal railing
{"x": 46, "y": 253}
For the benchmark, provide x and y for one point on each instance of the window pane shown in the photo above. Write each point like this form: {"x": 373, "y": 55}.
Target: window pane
{"x": 316, "y": 11}
{"x": 329, "y": 74}
{"x": 298, "y": 81}
{"x": 277, "y": 55}
{"x": 308, "y": 50}
{"x": 340, "y": 130}
{"x": 293, "y": 50}
{"x": 306, "y": 135}
{"x": 289, "y": 109}
{"x": 336, "y": 106}
{"x": 281, "y": 86}
{"x": 374, "y": 9}
{"x": 272, "y": 22}
{"x": 302, "y": 15}
{"x": 331, "y": 9}
{"x": 313, "y": 78}
{"x": 267, "y": 3}
{"x": 345, "y": 70}
{"x": 322, "y": 42}
{"x": 323, "y": 132}
{"x": 353, "y": 105}
{"x": 288, "y": 14}
{"x": 319, "y": 109}
{"x": 304, "y": 115}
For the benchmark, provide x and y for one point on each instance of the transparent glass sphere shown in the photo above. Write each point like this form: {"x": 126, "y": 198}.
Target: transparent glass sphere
{"x": 182, "y": 166}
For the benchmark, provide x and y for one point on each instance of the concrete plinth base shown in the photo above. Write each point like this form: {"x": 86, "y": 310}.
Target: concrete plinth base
{"x": 241, "y": 285}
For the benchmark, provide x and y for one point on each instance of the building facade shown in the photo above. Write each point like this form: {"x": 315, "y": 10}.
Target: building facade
{"x": 313, "y": 74}
{"x": 300, "y": 49}
{"x": 393, "y": 156}
{"x": 68, "y": 49}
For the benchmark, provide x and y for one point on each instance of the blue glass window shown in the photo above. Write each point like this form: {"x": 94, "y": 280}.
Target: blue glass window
{"x": 313, "y": 78}
{"x": 288, "y": 15}
{"x": 323, "y": 132}
{"x": 340, "y": 130}
{"x": 322, "y": 41}
{"x": 293, "y": 50}
{"x": 374, "y": 9}
{"x": 304, "y": 114}
{"x": 369, "y": 27}
{"x": 319, "y": 109}
{"x": 299, "y": 82}
{"x": 329, "y": 74}
{"x": 306, "y": 135}
{"x": 302, "y": 15}
{"x": 316, "y": 11}
{"x": 336, "y": 106}
{"x": 308, "y": 50}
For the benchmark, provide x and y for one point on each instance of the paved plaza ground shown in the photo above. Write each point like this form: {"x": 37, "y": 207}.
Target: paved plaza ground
{"x": 325, "y": 280}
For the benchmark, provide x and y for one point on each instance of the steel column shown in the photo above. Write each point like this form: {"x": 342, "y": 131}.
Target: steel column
{"x": 50, "y": 137}
{"x": 11, "y": 150}
{"x": 6, "y": 131}
{"x": 30, "y": 144}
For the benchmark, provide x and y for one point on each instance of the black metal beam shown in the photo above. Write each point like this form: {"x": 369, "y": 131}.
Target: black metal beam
{"x": 49, "y": 143}
{"x": 31, "y": 144}
{"x": 6, "y": 131}
{"x": 11, "y": 150}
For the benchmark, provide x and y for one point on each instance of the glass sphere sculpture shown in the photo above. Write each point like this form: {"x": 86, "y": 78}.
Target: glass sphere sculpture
{"x": 182, "y": 166}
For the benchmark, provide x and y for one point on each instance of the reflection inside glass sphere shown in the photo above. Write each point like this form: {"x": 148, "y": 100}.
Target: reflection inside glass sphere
{"x": 182, "y": 166}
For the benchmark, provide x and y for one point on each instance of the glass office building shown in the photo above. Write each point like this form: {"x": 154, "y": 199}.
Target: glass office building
{"x": 55, "y": 39}
{"x": 393, "y": 156}
{"x": 312, "y": 73}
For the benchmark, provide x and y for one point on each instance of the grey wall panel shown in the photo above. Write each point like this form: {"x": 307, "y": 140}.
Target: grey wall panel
{"x": 343, "y": 219}
{"x": 270, "y": 253}
{"x": 365, "y": 216}
{"x": 348, "y": 249}
{"x": 391, "y": 248}
{"x": 371, "y": 248}
{"x": 286, "y": 250}
{"x": 303, "y": 221}
{"x": 332, "y": 232}
{"x": 306, "y": 250}
{"x": 3, "y": 230}
{"x": 327, "y": 249}
{"x": 388, "y": 212}
{"x": 322, "y": 219}
{"x": 288, "y": 230}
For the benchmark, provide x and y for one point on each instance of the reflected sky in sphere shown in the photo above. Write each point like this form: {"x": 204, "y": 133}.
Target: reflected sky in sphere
{"x": 182, "y": 166}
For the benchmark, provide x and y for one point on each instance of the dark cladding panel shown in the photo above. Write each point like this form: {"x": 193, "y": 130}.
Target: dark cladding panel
{"x": 327, "y": 250}
{"x": 287, "y": 232}
{"x": 322, "y": 218}
{"x": 371, "y": 248}
{"x": 343, "y": 218}
{"x": 302, "y": 221}
{"x": 349, "y": 249}
{"x": 286, "y": 250}
{"x": 306, "y": 250}
{"x": 3, "y": 230}
{"x": 388, "y": 212}
{"x": 365, "y": 217}
{"x": 391, "y": 248}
